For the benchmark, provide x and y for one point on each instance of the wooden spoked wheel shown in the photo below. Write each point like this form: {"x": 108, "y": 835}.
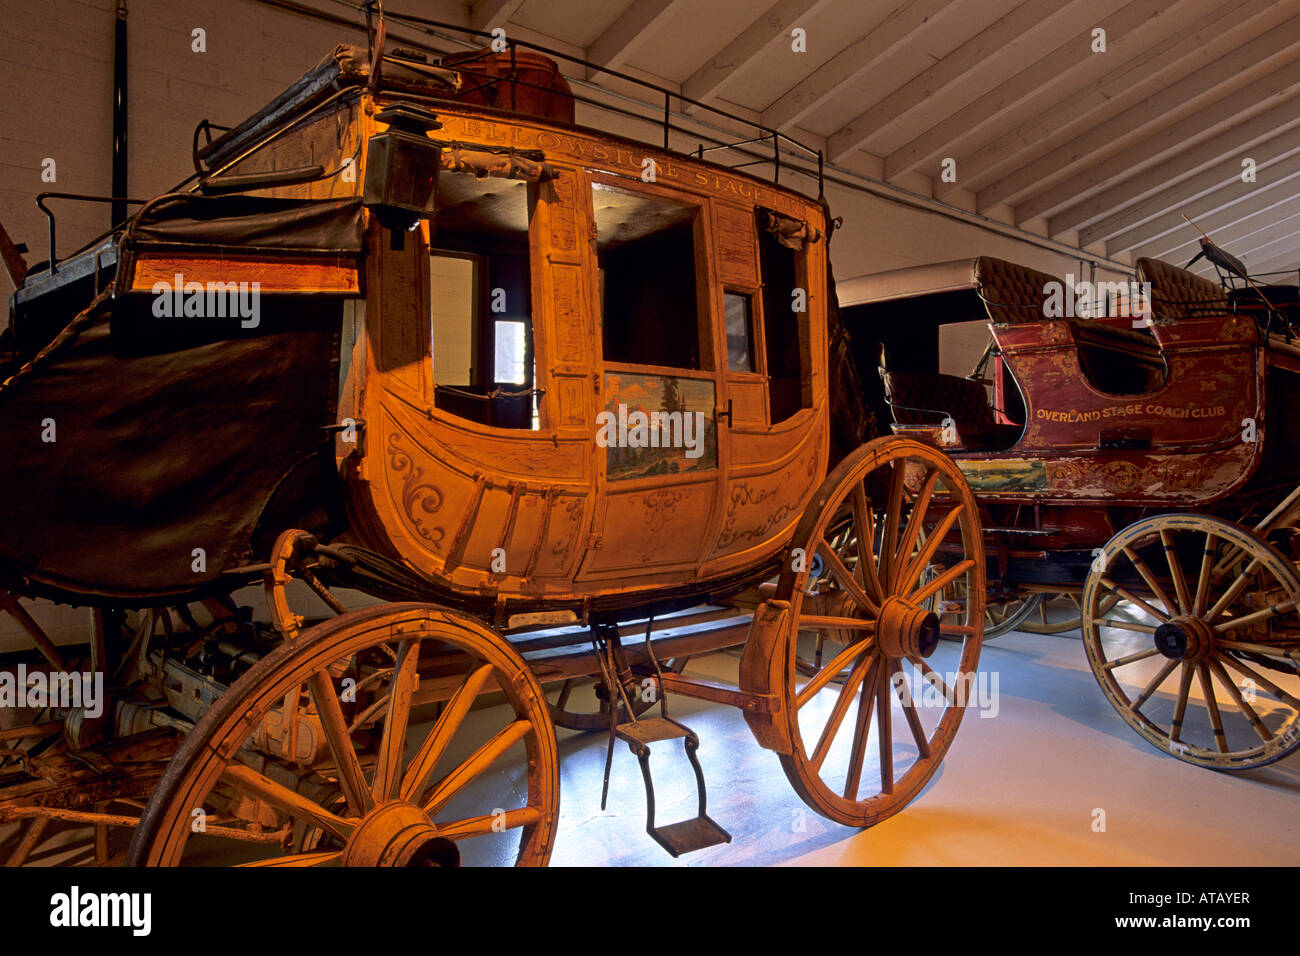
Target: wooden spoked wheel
{"x": 368, "y": 786}
{"x": 1000, "y": 617}
{"x": 1061, "y": 613}
{"x": 911, "y": 512}
{"x": 1201, "y": 658}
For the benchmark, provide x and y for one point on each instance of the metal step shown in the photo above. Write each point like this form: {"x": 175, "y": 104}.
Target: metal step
{"x": 649, "y": 729}
{"x": 685, "y": 836}
{"x": 690, "y": 835}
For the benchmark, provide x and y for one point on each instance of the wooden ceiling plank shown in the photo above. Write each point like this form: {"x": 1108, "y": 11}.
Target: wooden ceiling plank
{"x": 1078, "y": 157}
{"x": 1167, "y": 50}
{"x": 613, "y": 47}
{"x": 1152, "y": 149}
{"x": 1267, "y": 138}
{"x": 852, "y": 61}
{"x": 490, "y": 14}
{"x": 950, "y": 71}
{"x": 772, "y": 27}
{"x": 1226, "y": 219}
{"x": 1274, "y": 184}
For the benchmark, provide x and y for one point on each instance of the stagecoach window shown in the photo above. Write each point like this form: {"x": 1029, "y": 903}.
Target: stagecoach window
{"x": 645, "y": 251}
{"x": 785, "y": 300}
{"x": 510, "y": 352}
{"x": 740, "y": 331}
{"x": 480, "y": 289}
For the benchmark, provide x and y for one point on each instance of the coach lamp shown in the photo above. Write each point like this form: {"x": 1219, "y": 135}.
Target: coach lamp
{"x": 402, "y": 169}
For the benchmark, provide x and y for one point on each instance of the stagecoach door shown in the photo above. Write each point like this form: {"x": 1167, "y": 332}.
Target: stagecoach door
{"x": 659, "y": 449}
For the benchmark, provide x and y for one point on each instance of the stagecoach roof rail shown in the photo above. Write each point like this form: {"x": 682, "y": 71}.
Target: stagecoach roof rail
{"x": 668, "y": 95}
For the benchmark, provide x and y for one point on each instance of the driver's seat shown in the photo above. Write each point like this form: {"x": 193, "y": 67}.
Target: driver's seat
{"x": 927, "y": 398}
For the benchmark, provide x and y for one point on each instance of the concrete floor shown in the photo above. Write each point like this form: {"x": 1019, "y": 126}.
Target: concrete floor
{"x": 1020, "y": 788}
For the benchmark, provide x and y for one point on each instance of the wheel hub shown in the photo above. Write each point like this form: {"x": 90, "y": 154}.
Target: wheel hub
{"x": 1184, "y": 639}
{"x": 398, "y": 834}
{"x": 906, "y": 630}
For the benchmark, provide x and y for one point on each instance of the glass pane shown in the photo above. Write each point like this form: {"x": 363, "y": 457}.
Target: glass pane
{"x": 740, "y": 332}
{"x": 453, "y": 287}
{"x": 510, "y": 353}
{"x": 645, "y": 250}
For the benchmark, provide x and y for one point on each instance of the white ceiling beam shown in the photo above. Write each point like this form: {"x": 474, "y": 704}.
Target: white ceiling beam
{"x": 1166, "y": 50}
{"x": 1263, "y": 231}
{"x": 1155, "y": 146}
{"x": 1220, "y": 211}
{"x": 851, "y": 62}
{"x": 1051, "y": 72}
{"x": 1279, "y": 241}
{"x": 1286, "y": 261}
{"x": 1133, "y": 125}
{"x": 490, "y": 14}
{"x": 770, "y": 28}
{"x": 615, "y": 46}
{"x": 1225, "y": 176}
{"x": 1266, "y": 138}
{"x": 999, "y": 39}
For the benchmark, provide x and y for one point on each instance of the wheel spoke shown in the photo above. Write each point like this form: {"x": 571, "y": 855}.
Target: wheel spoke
{"x": 1136, "y": 704}
{"x": 915, "y": 521}
{"x": 930, "y": 674}
{"x": 943, "y": 580}
{"x": 1272, "y": 611}
{"x": 889, "y": 540}
{"x": 1154, "y": 585}
{"x": 918, "y": 564}
{"x": 1175, "y": 571}
{"x": 827, "y": 673}
{"x": 492, "y": 823}
{"x": 1265, "y": 734}
{"x": 865, "y": 525}
{"x": 1212, "y": 707}
{"x": 352, "y": 780}
{"x": 392, "y": 747}
{"x": 885, "y": 734}
{"x": 564, "y": 694}
{"x": 282, "y": 798}
{"x": 299, "y": 859}
{"x": 444, "y": 729}
{"x": 844, "y": 577}
{"x": 913, "y": 718}
{"x": 1126, "y": 625}
{"x": 1231, "y": 594}
{"x": 1130, "y": 658}
{"x": 862, "y": 728}
{"x": 838, "y": 711}
{"x": 1203, "y": 579}
{"x": 1262, "y": 681}
{"x": 478, "y": 762}
{"x": 1180, "y": 708}
{"x": 1133, "y": 598}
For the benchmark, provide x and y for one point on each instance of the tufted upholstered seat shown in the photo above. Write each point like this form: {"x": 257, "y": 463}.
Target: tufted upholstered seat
{"x": 1179, "y": 294}
{"x": 1012, "y": 293}
{"x": 926, "y": 398}
{"x": 1116, "y": 360}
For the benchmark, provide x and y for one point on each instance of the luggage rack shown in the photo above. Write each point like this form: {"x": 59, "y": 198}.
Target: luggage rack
{"x": 373, "y": 8}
